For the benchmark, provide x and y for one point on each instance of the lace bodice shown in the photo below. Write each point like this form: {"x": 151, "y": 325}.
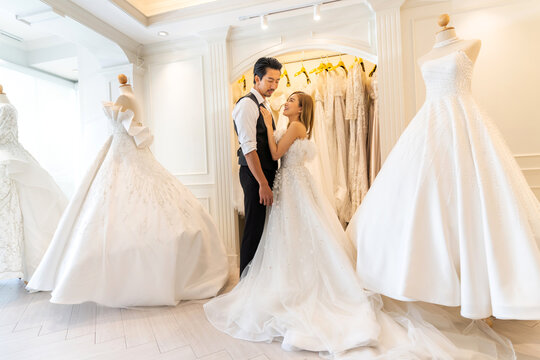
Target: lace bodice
{"x": 301, "y": 150}
{"x": 449, "y": 75}
{"x": 8, "y": 124}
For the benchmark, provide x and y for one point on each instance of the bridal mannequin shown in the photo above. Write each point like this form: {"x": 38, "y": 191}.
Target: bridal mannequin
{"x": 3, "y": 97}
{"x": 447, "y": 42}
{"x": 127, "y": 99}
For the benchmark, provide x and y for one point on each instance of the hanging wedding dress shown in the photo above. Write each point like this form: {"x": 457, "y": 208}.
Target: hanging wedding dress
{"x": 450, "y": 218}
{"x": 335, "y": 136}
{"x": 31, "y": 203}
{"x": 358, "y": 125}
{"x": 301, "y": 288}
{"x": 374, "y": 144}
{"x": 132, "y": 235}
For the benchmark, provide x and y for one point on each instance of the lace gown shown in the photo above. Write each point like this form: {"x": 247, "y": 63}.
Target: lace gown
{"x": 374, "y": 144}
{"x": 132, "y": 234}
{"x": 450, "y": 218}
{"x": 31, "y": 203}
{"x": 356, "y": 114}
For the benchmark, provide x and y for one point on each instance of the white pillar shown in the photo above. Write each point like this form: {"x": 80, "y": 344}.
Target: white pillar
{"x": 219, "y": 117}
{"x": 390, "y": 72}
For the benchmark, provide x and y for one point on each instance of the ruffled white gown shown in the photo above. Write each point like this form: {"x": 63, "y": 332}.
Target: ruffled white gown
{"x": 132, "y": 235}
{"x": 301, "y": 279}
{"x": 31, "y": 203}
{"x": 450, "y": 218}
{"x": 301, "y": 288}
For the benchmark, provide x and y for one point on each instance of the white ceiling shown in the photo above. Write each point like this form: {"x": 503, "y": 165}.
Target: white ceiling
{"x": 65, "y": 68}
{"x": 195, "y": 18}
{"x": 137, "y": 22}
{"x": 32, "y": 43}
{"x": 10, "y": 25}
{"x": 156, "y": 7}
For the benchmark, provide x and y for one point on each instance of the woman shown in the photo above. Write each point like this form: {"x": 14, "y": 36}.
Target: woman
{"x": 301, "y": 287}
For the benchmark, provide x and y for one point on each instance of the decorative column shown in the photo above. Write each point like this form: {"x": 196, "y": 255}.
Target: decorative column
{"x": 389, "y": 72}
{"x": 217, "y": 90}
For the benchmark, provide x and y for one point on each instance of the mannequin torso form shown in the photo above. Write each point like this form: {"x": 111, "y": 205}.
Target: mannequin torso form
{"x": 3, "y": 97}
{"x": 447, "y": 42}
{"x": 127, "y": 101}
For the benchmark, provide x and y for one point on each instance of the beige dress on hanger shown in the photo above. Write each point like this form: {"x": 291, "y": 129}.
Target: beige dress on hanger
{"x": 374, "y": 143}
{"x": 358, "y": 150}
{"x": 335, "y": 117}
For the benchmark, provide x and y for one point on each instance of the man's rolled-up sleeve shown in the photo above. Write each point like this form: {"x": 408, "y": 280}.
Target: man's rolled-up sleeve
{"x": 245, "y": 115}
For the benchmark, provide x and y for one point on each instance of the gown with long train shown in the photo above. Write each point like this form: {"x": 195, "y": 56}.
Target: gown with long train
{"x": 31, "y": 203}
{"x": 450, "y": 218}
{"x": 132, "y": 235}
{"x": 301, "y": 289}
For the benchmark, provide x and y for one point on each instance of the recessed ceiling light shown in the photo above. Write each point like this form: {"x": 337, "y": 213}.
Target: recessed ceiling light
{"x": 317, "y": 12}
{"x": 163, "y": 33}
{"x": 264, "y": 22}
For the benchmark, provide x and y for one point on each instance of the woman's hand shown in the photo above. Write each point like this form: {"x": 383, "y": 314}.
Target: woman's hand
{"x": 267, "y": 117}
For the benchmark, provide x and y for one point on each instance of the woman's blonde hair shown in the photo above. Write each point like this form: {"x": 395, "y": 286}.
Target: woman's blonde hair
{"x": 307, "y": 115}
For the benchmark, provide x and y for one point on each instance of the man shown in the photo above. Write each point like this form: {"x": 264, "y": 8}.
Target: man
{"x": 257, "y": 168}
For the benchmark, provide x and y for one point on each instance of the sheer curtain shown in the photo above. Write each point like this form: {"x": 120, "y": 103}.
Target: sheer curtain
{"x": 49, "y": 122}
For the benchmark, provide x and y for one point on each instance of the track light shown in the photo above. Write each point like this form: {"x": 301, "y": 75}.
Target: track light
{"x": 264, "y": 22}
{"x": 317, "y": 12}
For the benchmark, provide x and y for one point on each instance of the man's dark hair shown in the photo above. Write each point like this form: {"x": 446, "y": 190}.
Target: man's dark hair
{"x": 262, "y": 64}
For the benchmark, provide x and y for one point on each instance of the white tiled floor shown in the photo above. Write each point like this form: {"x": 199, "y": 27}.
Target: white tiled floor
{"x": 33, "y": 328}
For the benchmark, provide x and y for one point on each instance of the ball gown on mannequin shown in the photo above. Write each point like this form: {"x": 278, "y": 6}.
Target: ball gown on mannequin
{"x": 31, "y": 203}
{"x": 132, "y": 235}
{"x": 450, "y": 218}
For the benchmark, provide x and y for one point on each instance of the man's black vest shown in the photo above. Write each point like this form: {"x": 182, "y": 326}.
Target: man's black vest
{"x": 263, "y": 150}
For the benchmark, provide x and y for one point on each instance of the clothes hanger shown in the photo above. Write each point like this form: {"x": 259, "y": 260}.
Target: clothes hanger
{"x": 361, "y": 61}
{"x": 340, "y": 64}
{"x": 243, "y": 82}
{"x": 354, "y": 63}
{"x": 329, "y": 65}
{"x": 286, "y": 74}
{"x": 319, "y": 68}
{"x": 303, "y": 71}
{"x": 373, "y": 71}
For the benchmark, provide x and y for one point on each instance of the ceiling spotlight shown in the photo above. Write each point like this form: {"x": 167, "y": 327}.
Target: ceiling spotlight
{"x": 264, "y": 22}
{"x": 317, "y": 12}
{"x": 163, "y": 33}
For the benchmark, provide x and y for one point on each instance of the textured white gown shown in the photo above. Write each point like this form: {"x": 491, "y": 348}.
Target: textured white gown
{"x": 132, "y": 235}
{"x": 31, "y": 203}
{"x": 450, "y": 218}
{"x": 301, "y": 289}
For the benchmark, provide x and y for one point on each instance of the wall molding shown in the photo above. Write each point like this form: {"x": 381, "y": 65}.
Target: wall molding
{"x": 390, "y": 77}
{"x": 197, "y": 176}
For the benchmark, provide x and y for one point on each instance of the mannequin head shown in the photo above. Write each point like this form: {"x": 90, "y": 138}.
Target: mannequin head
{"x": 299, "y": 107}
{"x": 122, "y": 79}
{"x": 446, "y": 32}
{"x": 266, "y": 75}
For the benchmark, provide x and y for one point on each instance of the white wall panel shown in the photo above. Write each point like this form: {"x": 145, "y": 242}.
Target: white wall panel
{"x": 177, "y": 116}
{"x": 506, "y": 75}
